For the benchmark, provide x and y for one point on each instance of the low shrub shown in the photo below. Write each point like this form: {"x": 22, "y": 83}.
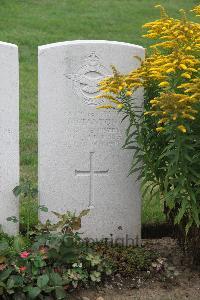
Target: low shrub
{"x": 50, "y": 262}
{"x": 126, "y": 261}
{"x": 164, "y": 133}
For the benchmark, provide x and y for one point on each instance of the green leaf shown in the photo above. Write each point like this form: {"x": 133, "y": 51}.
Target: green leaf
{"x": 5, "y": 274}
{"x": 84, "y": 213}
{"x": 181, "y": 212}
{"x": 188, "y": 226}
{"x": 195, "y": 214}
{"x": 12, "y": 219}
{"x": 60, "y": 292}
{"x": 18, "y": 243}
{"x": 33, "y": 292}
{"x": 55, "y": 279}
{"x": 48, "y": 289}
{"x": 18, "y": 280}
{"x": 4, "y": 246}
{"x": 42, "y": 281}
{"x": 39, "y": 262}
{"x": 10, "y": 291}
{"x": 2, "y": 285}
{"x": 10, "y": 283}
{"x": 43, "y": 208}
{"x": 17, "y": 190}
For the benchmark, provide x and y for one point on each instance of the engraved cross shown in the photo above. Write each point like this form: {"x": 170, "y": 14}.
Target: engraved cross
{"x": 91, "y": 173}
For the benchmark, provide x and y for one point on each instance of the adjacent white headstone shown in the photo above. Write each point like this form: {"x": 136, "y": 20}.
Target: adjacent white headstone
{"x": 9, "y": 134}
{"x": 81, "y": 161}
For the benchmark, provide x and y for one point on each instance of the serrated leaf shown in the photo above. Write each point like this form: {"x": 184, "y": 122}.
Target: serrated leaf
{"x": 5, "y": 274}
{"x": 33, "y": 292}
{"x": 10, "y": 283}
{"x": 55, "y": 279}
{"x": 42, "y": 281}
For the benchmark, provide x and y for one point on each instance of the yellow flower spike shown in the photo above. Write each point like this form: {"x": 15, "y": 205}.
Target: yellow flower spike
{"x": 187, "y": 116}
{"x": 192, "y": 70}
{"x": 182, "y": 128}
{"x": 171, "y": 70}
{"x": 124, "y": 84}
{"x": 150, "y": 35}
{"x": 114, "y": 101}
{"x": 164, "y": 84}
{"x": 158, "y": 6}
{"x": 154, "y": 101}
{"x": 160, "y": 129}
{"x": 196, "y": 10}
{"x": 186, "y": 75}
{"x": 182, "y": 41}
{"x": 105, "y": 106}
{"x": 163, "y": 120}
{"x": 120, "y": 106}
{"x": 129, "y": 93}
{"x": 169, "y": 65}
{"x": 183, "y": 67}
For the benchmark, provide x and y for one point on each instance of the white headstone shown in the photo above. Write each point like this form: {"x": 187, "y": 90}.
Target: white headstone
{"x": 81, "y": 161}
{"x": 9, "y": 134}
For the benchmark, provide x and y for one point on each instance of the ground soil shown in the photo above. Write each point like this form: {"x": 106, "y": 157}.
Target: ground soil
{"x": 186, "y": 285}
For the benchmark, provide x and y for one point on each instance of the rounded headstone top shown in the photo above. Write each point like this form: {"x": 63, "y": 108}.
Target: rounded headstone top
{"x": 8, "y": 45}
{"x": 82, "y": 42}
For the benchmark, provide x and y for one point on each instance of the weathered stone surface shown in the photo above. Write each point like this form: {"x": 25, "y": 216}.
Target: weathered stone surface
{"x": 81, "y": 163}
{"x": 9, "y": 134}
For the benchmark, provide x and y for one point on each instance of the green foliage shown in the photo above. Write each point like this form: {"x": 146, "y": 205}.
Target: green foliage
{"x": 167, "y": 162}
{"x": 126, "y": 261}
{"x": 50, "y": 262}
{"x": 62, "y": 248}
{"x": 68, "y": 222}
{"x": 10, "y": 245}
{"x": 28, "y": 192}
{"x": 164, "y": 133}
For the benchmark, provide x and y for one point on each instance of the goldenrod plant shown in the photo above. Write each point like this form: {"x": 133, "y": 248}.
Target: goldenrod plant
{"x": 165, "y": 132}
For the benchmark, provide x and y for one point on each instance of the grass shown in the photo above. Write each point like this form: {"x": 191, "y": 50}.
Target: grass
{"x": 29, "y": 23}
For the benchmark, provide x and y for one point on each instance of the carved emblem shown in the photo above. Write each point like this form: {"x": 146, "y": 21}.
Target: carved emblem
{"x": 86, "y": 78}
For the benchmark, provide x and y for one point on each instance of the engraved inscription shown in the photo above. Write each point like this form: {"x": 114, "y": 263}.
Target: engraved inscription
{"x": 101, "y": 131}
{"x": 91, "y": 173}
{"x": 86, "y": 78}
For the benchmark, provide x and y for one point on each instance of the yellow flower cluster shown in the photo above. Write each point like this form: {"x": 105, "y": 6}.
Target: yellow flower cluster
{"x": 182, "y": 41}
{"x": 192, "y": 88}
{"x": 196, "y": 10}
{"x": 174, "y": 34}
{"x": 161, "y": 68}
{"x": 113, "y": 89}
{"x": 173, "y": 68}
{"x": 172, "y": 107}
